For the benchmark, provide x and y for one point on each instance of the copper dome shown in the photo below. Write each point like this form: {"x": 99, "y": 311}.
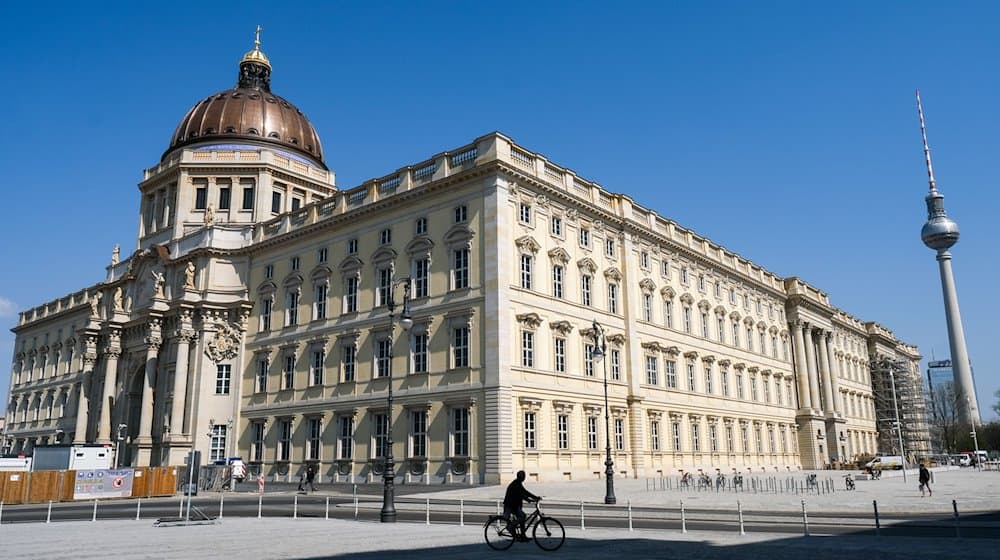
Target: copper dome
{"x": 249, "y": 112}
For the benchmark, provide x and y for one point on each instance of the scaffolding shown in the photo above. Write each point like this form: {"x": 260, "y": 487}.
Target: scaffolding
{"x": 900, "y": 409}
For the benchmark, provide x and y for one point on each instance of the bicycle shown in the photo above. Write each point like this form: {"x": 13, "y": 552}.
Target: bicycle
{"x": 547, "y": 532}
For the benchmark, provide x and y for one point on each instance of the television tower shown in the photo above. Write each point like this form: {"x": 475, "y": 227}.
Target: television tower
{"x": 940, "y": 233}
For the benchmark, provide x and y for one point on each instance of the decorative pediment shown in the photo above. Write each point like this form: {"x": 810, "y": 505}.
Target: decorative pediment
{"x": 563, "y": 327}
{"x": 613, "y": 274}
{"x": 753, "y": 369}
{"x": 704, "y": 305}
{"x": 647, "y": 285}
{"x": 654, "y": 346}
{"x": 617, "y": 339}
{"x": 672, "y": 350}
{"x": 530, "y": 404}
{"x": 383, "y": 255}
{"x": 667, "y": 292}
{"x": 527, "y": 244}
{"x": 724, "y": 362}
{"x": 761, "y": 326}
{"x": 691, "y": 355}
{"x": 587, "y": 264}
{"x": 351, "y": 264}
{"x": 267, "y": 286}
{"x": 459, "y": 235}
{"x": 735, "y": 315}
{"x": 686, "y": 298}
{"x": 748, "y": 321}
{"x": 740, "y": 365}
{"x": 720, "y": 311}
{"x": 320, "y": 273}
{"x": 529, "y": 320}
{"x": 421, "y": 246}
{"x": 563, "y": 407}
{"x": 559, "y": 255}
{"x": 709, "y": 358}
{"x": 773, "y": 329}
{"x": 766, "y": 372}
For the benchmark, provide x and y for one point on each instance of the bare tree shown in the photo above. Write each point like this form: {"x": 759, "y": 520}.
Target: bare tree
{"x": 996, "y": 406}
{"x": 947, "y": 427}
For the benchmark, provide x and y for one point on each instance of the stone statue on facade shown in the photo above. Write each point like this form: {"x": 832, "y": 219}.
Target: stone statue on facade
{"x": 118, "y": 299}
{"x": 209, "y": 216}
{"x": 116, "y": 255}
{"x": 158, "y": 280}
{"x": 95, "y": 302}
{"x": 189, "y": 276}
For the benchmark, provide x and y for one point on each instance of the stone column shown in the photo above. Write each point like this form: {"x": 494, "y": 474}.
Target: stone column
{"x": 813, "y": 371}
{"x": 153, "y": 342}
{"x": 82, "y": 409}
{"x": 824, "y": 369}
{"x": 802, "y": 369}
{"x": 185, "y": 335}
{"x": 838, "y": 402}
{"x": 111, "y": 355}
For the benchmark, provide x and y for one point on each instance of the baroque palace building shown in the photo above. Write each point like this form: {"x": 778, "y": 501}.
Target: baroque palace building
{"x": 251, "y": 319}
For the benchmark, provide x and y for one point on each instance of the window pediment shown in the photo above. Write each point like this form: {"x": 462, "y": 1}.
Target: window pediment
{"x": 559, "y": 255}
{"x": 383, "y": 255}
{"x": 421, "y": 246}
{"x": 686, "y": 298}
{"x": 668, "y": 293}
{"x": 563, "y": 327}
{"x": 613, "y": 274}
{"x": 320, "y": 273}
{"x": 587, "y": 264}
{"x": 351, "y": 264}
{"x": 527, "y": 244}
{"x": 617, "y": 339}
{"x": 267, "y": 287}
{"x": 529, "y": 320}
{"x": 292, "y": 281}
{"x": 647, "y": 285}
{"x": 459, "y": 236}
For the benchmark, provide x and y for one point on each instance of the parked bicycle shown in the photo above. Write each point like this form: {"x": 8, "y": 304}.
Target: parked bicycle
{"x": 720, "y": 481}
{"x": 704, "y": 481}
{"x": 547, "y": 532}
{"x": 811, "y": 481}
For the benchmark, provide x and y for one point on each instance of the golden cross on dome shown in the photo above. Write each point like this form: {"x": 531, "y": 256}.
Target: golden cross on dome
{"x": 256, "y": 40}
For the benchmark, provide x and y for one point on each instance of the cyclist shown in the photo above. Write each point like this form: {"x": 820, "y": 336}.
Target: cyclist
{"x": 513, "y": 503}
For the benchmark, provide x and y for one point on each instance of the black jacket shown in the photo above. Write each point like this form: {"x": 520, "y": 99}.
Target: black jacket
{"x": 924, "y": 476}
{"x": 516, "y": 493}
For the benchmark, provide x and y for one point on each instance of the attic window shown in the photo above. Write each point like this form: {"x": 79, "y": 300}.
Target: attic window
{"x": 294, "y": 140}
{"x": 253, "y": 131}
{"x": 274, "y": 135}
{"x": 209, "y": 130}
{"x": 230, "y": 130}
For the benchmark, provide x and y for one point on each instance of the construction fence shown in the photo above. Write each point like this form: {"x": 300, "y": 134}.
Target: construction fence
{"x": 37, "y": 487}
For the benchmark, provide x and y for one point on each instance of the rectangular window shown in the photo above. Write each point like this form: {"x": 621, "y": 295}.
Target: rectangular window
{"x": 349, "y": 358}
{"x": 383, "y": 352}
{"x": 225, "y": 197}
{"x": 609, "y": 247}
{"x": 248, "y": 198}
{"x": 684, "y": 276}
{"x": 527, "y": 349}
{"x": 720, "y": 324}
{"x": 729, "y": 439}
{"x": 288, "y": 375}
{"x": 296, "y": 203}
{"x": 718, "y": 290}
{"x": 770, "y": 440}
{"x": 461, "y": 214}
{"x": 257, "y": 443}
{"x": 774, "y": 346}
{"x": 584, "y": 237}
{"x": 745, "y": 438}
{"x": 555, "y": 226}
{"x": 420, "y": 226}
{"x": 736, "y": 334}
{"x": 460, "y": 432}
{"x": 292, "y": 314}
{"x": 384, "y": 284}
{"x": 352, "y": 246}
{"x": 687, "y": 319}
{"x": 418, "y": 433}
{"x": 788, "y": 393}
{"x": 652, "y": 375}
{"x": 223, "y": 378}
{"x": 460, "y": 347}
{"x": 319, "y": 306}
{"x": 725, "y": 382}
{"x": 460, "y": 269}
{"x": 284, "y": 440}
{"x": 275, "y": 202}
{"x": 529, "y": 430}
{"x": 701, "y": 282}
{"x": 526, "y": 262}
{"x": 690, "y": 370}
{"x": 784, "y": 442}
{"x": 421, "y": 270}
{"x": 612, "y": 298}
{"x": 560, "y": 355}
{"x": 592, "y": 432}
{"x": 644, "y": 260}
{"x": 322, "y": 254}
{"x": 313, "y": 443}
{"x": 419, "y": 353}
{"x": 777, "y": 392}
{"x": 675, "y": 428}
{"x": 616, "y": 365}
{"x": 557, "y": 281}
{"x": 654, "y": 435}
{"x": 739, "y": 385}
{"x": 200, "y": 198}
{"x": 269, "y": 271}
{"x": 380, "y": 435}
{"x": 261, "y": 376}
{"x": 750, "y": 339}
{"x": 296, "y": 263}
{"x": 695, "y": 437}
{"x": 588, "y": 360}
{"x": 562, "y": 431}
{"x": 709, "y": 389}
{"x": 217, "y": 451}
{"x": 713, "y": 439}
{"x": 766, "y": 384}
{"x": 524, "y": 213}
{"x": 318, "y": 360}
{"x": 668, "y": 314}
{"x": 753, "y": 387}
{"x": 671, "y": 369}
{"x": 346, "y": 431}
{"x": 351, "y": 294}
{"x": 619, "y": 434}
{"x": 647, "y": 307}
{"x": 585, "y": 289}
{"x": 758, "y": 439}
{"x": 385, "y": 236}
{"x": 665, "y": 269}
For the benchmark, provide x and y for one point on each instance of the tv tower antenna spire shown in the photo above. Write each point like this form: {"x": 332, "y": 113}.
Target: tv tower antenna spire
{"x": 927, "y": 149}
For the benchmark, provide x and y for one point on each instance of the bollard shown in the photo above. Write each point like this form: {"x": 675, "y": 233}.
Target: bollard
{"x": 180, "y": 507}
{"x": 805, "y": 519}
{"x": 739, "y": 508}
{"x": 427, "y": 519}
{"x": 327, "y": 515}
{"x": 583, "y": 525}
{"x": 221, "y": 498}
{"x": 138, "y": 508}
{"x": 461, "y": 512}
{"x": 94, "y": 516}
{"x": 684, "y": 527}
{"x": 954, "y": 509}
{"x": 1, "y": 512}
{"x": 260, "y": 504}
{"x": 630, "y": 516}
{"x": 355, "y": 506}
{"x": 48, "y": 516}
{"x": 295, "y": 508}
{"x": 878, "y": 524}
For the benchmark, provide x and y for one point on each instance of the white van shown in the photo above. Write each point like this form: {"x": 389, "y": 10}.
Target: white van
{"x": 884, "y": 462}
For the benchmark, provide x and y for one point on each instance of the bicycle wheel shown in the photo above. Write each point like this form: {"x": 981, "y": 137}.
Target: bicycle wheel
{"x": 549, "y": 533}
{"x": 498, "y": 533}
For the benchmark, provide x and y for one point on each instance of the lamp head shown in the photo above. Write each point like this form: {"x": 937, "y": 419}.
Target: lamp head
{"x": 406, "y": 321}
{"x": 597, "y": 354}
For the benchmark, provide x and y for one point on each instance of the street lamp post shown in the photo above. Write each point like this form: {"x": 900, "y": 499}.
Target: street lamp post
{"x": 118, "y": 449}
{"x": 388, "y": 513}
{"x": 600, "y": 348}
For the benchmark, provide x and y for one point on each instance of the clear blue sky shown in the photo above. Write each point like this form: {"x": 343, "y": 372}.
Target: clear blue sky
{"x": 786, "y": 131}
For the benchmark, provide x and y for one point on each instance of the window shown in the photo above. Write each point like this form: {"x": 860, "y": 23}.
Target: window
{"x": 774, "y": 346}
{"x": 770, "y": 439}
{"x": 560, "y": 355}
{"x": 758, "y": 439}
{"x": 384, "y": 279}
{"x": 261, "y": 376}
{"x": 460, "y": 431}
{"x": 609, "y": 247}
{"x": 695, "y": 436}
{"x": 385, "y": 236}
{"x": 284, "y": 440}
{"x": 322, "y": 254}
{"x": 701, "y": 283}
{"x": 288, "y": 375}
{"x": 460, "y": 347}
{"x": 529, "y": 430}
{"x": 313, "y": 442}
{"x": 729, "y": 439}
{"x": 418, "y": 433}
{"x": 654, "y": 435}
{"x": 592, "y": 432}
{"x": 380, "y": 434}
{"x": 745, "y": 438}
{"x": 713, "y": 439}
{"x": 718, "y": 290}
{"x": 750, "y": 338}
{"x": 420, "y": 226}
{"x": 225, "y": 197}
{"x": 753, "y": 387}
{"x": 257, "y": 443}
{"x": 584, "y": 237}
{"x": 616, "y": 365}
{"x": 319, "y": 306}
{"x": 784, "y": 349}
{"x": 665, "y": 269}
{"x": 708, "y": 379}
{"x": 739, "y": 385}
{"x": 351, "y": 294}
{"x": 725, "y": 382}
{"x": 777, "y": 392}
{"x": 352, "y": 246}
{"x": 612, "y": 298}
{"x": 421, "y": 270}
{"x": 524, "y": 213}
{"x": 588, "y": 360}
{"x": 644, "y": 260}
{"x": 784, "y": 442}
{"x": 419, "y": 353}
{"x": 585, "y": 289}
{"x": 217, "y": 451}
{"x": 736, "y": 333}
{"x": 200, "y": 198}
{"x": 562, "y": 431}
{"x": 248, "y": 198}
{"x": 292, "y": 314}
{"x": 555, "y": 226}
{"x": 684, "y": 276}
{"x": 732, "y": 296}
{"x": 759, "y": 309}
{"x": 788, "y": 393}
{"x": 275, "y": 202}
{"x": 720, "y": 324}
{"x": 296, "y": 203}
{"x": 675, "y": 428}
{"x": 766, "y": 383}
{"x": 668, "y": 314}
{"x": 557, "y": 281}
{"x": 346, "y": 431}
{"x": 318, "y": 359}
{"x": 647, "y": 307}
{"x": 460, "y": 269}
{"x": 619, "y": 434}
{"x": 526, "y": 262}
{"x": 690, "y": 370}
{"x": 461, "y": 214}
{"x": 223, "y": 377}
{"x": 527, "y": 349}
{"x": 652, "y": 375}
{"x": 295, "y": 263}
{"x": 704, "y": 324}
{"x": 383, "y": 353}
{"x": 671, "y": 368}
{"x": 269, "y": 271}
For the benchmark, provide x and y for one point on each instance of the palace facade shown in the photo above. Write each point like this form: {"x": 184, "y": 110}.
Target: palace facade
{"x": 262, "y": 314}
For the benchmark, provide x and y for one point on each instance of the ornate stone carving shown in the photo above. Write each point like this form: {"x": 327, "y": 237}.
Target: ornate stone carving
{"x": 189, "y": 271}
{"x": 158, "y": 280}
{"x": 225, "y": 344}
{"x": 529, "y": 320}
{"x": 564, "y": 327}
{"x": 115, "y": 255}
{"x": 118, "y": 299}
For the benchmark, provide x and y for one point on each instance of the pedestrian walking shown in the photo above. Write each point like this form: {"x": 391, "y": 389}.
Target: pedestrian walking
{"x": 925, "y": 480}
{"x": 308, "y": 479}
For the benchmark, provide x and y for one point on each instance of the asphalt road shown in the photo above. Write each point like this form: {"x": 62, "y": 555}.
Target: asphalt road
{"x": 450, "y": 511}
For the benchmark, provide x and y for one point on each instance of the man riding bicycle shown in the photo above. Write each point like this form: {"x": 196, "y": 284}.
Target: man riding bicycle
{"x": 513, "y": 503}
